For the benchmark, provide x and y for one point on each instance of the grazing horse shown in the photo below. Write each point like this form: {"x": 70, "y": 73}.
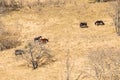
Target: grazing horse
{"x": 43, "y": 41}
{"x": 19, "y": 52}
{"x": 99, "y": 22}
{"x": 83, "y": 25}
{"x": 37, "y": 38}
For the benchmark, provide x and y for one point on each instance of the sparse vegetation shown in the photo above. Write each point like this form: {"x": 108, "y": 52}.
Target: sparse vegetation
{"x": 105, "y": 64}
{"x": 59, "y": 21}
{"x": 69, "y": 66}
{"x": 117, "y": 17}
{"x": 37, "y": 55}
{"x": 8, "y": 43}
{"x": 7, "y": 39}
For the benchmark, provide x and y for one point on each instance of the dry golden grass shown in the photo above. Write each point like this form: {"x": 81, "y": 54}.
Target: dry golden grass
{"x": 61, "y": 26}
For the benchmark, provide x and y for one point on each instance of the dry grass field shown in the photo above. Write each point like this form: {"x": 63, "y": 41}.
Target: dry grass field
{"x": 61, "y": 26}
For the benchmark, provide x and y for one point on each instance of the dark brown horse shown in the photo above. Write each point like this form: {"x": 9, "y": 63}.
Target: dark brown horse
{"x": 43, "y": 41}
{"x": 99, "y": 22}
{"x": 83, "y": 25}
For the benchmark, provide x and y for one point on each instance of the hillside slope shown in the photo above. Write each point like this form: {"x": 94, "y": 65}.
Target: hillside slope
{"x": 61, "y": 26}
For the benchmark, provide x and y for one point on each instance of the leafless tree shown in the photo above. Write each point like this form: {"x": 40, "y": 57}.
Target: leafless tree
{"x": 34, "y": 63}
{"x": 37, "y": 55}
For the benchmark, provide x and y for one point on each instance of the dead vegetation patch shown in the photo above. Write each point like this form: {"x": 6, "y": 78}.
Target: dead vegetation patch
{"x": 7, "y": 39}
{"x": 8, "y": 43}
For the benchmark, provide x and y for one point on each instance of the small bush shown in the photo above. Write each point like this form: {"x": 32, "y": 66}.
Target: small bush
{"x": 38, "y": 53}
{"x": 7, "y": 39}
{"x": 8, "y": 43}
{"x": 105, "y": 64}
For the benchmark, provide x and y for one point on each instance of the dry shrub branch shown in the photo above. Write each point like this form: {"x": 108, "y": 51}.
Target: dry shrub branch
{"x": 105, "y": 64}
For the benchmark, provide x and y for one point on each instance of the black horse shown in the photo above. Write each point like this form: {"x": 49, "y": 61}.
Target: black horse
{"x": 19, "y": 52}
{"x": 99, "y": 22}
{"x": 83, "y": 25}
{"x": 37, "y": 38}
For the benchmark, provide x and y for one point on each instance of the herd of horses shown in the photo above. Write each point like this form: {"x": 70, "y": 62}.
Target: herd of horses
{"x": 41, "y": 40}
{"x": 97, "y": 23}
{"x": 44, "y": 41}
{"x": 38, "y": 39}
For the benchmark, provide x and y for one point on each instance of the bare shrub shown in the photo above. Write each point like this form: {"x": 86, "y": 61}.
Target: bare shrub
{"x": 7, "y": 39}
{"x": 116, "y": 15}
{"x": 105, "y": 64}
{"x": 1, "y": 28}
{"x": 37, "y": 53}
{"x": 8, "y": 43}
{"x": 6, "y": 6}
{"x": 11, "y": 4}
{"x": 69, "y": 68}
